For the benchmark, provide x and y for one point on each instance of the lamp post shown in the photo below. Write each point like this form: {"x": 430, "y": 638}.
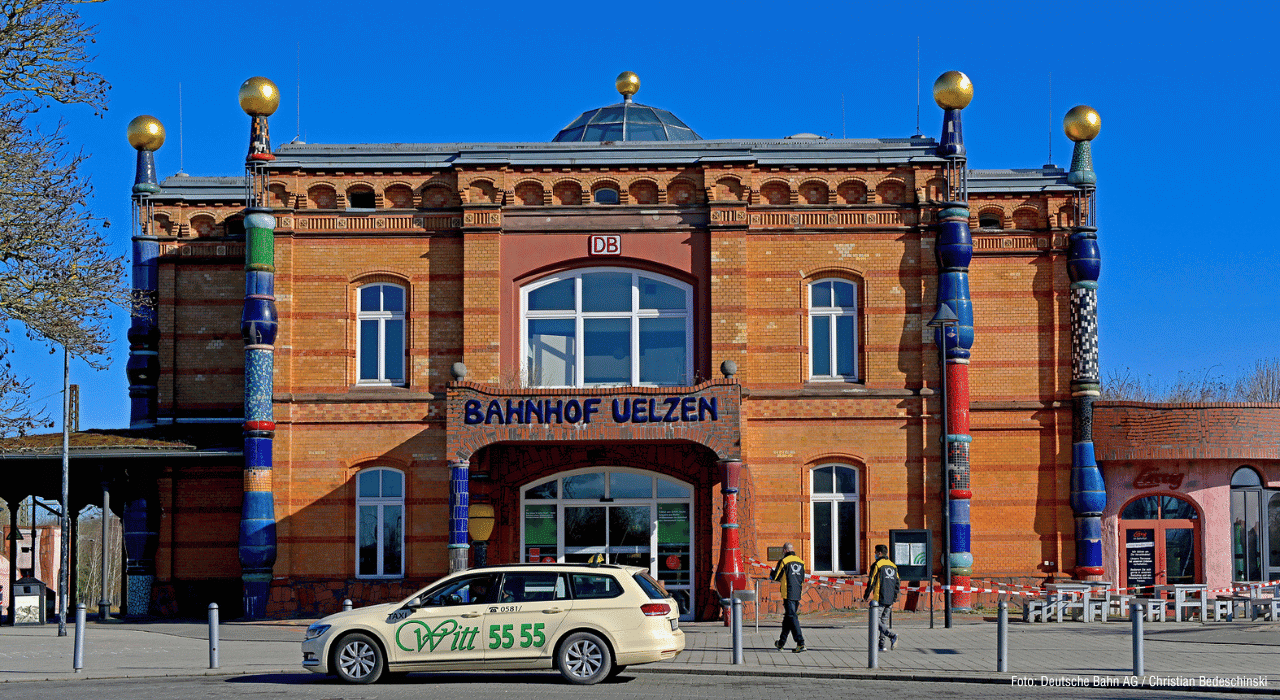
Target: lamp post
{"x": 480, "y": 526}
{"x": 946, "y": 320}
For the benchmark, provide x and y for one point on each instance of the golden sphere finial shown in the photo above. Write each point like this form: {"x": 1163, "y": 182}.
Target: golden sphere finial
{"x": 628, "y": 83}
{"x": 953, "y": 90}
{"x": 146, "y": 133}
{"x": 1082, "y": 123}
{"x": 259, "y": 97}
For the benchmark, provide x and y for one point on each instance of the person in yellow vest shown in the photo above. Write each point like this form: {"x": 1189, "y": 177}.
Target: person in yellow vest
{"x": 790, "y": 572}
{"x": 883, "y": 584}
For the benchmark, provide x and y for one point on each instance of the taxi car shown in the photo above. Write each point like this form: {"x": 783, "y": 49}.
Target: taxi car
{"x": 588, "y": 621}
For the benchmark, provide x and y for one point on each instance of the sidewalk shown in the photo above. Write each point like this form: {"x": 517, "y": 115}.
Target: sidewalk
{"x": 837, "y": 647}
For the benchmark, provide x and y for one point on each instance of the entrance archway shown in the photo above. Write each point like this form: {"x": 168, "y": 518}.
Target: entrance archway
{"x": 1161, "y": 541}
{"x": 629, "y": 516}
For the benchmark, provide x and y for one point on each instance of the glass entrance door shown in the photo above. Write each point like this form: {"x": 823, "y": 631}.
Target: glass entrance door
{"x": 627, "y": 516}
{"x": 1273, "y": 536}
{"x": 1161, "y": 539}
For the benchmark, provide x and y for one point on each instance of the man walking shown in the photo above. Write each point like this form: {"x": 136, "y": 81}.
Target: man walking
{"x": 883, "y": 584}
{"x": 790, "y": 571}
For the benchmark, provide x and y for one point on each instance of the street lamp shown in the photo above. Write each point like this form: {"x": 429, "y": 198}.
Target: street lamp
{"x": 480, "y": 520}
{"x": 946, "y": 320}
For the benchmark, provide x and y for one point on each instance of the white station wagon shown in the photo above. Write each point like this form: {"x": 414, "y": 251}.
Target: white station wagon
{"x": 589, "y": 622}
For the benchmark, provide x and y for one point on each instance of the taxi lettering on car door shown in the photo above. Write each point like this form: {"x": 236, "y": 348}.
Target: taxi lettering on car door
{"x": 443, "y": 625}
{"x": 529, "y": 610}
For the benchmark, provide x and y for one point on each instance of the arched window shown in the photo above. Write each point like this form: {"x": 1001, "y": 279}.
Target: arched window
{"x": 361, "y": 197}
{"x": 381, "y": 344}
{"x": 990, "y": 220}
{"x": 833, "y": 330}
{"x": 380, "y": 523}
{"x": 834, "y": 503}
{"x": 607, "y": 327}
{"x": 1255, "y": 528}
{"x": 606, "y": 195}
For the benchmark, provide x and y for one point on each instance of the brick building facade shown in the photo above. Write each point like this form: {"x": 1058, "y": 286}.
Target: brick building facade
{"x": 675, "y": 352}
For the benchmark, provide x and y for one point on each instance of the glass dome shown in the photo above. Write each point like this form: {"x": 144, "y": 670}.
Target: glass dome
{"x": 627, "y": 121}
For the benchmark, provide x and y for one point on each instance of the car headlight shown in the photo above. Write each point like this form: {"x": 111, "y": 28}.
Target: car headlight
{"x": 317, "y": 630}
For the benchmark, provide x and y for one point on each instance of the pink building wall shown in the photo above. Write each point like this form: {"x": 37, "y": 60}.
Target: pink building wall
{"x": 1189, "y": 450}
{"x": 47, "y": 563}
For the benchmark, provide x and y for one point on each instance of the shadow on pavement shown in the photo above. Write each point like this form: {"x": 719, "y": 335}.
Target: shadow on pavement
{"x": 424, "y": 679}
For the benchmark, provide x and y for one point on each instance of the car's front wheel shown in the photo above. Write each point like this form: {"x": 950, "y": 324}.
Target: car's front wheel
{"x": 584, "y": 659}
{"x": 358, "y": 659}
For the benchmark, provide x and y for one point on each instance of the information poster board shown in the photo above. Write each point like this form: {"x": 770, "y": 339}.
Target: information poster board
{"x": 912, "y": 552}
{"x": 1140, "y": 557}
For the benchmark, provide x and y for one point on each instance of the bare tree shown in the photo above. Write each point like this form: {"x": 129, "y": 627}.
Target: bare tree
{"x": 1261, "y": 384}
{"x": 43, "y": 57}
{"x": 57, "y": 280}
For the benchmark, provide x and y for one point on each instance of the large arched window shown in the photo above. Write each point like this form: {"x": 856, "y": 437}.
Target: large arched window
{"x": 833, "y": 330}
{"x": 1255, "y": 528}
{"x": 834, "y": 501}
{"x": 380, "y": 523}
{"x": 607, "y": 327}
{"x": 381, "y": 342}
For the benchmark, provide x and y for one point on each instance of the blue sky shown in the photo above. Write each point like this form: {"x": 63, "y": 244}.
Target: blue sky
{"x": 1189, "y": 273}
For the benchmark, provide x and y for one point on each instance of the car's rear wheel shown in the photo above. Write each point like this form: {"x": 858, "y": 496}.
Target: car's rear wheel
{"x": 584, "y": 659}
{"x": 358, "y": 659}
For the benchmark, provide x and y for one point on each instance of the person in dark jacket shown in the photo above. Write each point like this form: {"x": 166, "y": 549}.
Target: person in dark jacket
{"x": 790, "y": 572}
{"x": 883, "y": 584}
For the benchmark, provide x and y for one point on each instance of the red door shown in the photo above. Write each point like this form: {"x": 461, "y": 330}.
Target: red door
{"x": 1160, "y": 538}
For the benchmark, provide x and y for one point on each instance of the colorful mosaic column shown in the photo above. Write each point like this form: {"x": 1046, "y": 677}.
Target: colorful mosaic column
{"x": 146, "y": 134}
{"x": 258, "y": 325}
{"x": 730, "y": 574}
{"x": 459, "y": 513}
{"x": 1084, "y": 261}
{"x": 954, "y": 248}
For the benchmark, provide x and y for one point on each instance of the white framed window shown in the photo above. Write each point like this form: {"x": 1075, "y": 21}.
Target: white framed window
{"x": 607, "y": 327}
{"x": 380, "y": 523}
{"x": 381, "y": 338}
{"x": 833, "y": 330}
{"x": 834, "y": 513}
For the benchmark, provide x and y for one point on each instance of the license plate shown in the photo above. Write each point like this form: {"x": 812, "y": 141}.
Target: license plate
{"x": 675, "y": 624}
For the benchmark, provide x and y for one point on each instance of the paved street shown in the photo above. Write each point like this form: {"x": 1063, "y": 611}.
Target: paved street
{"x": 267, "y": 654}
{"x": 640, "y": 686}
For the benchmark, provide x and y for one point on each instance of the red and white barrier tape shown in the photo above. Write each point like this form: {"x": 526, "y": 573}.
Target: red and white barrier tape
{"x": 1011, "y": 589}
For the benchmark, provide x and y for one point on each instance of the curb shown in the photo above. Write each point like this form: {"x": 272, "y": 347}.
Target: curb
{"x": 192, "y": 674}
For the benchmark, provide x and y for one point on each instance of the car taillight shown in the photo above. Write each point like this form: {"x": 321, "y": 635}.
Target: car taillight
{"x": 655, "y": 609}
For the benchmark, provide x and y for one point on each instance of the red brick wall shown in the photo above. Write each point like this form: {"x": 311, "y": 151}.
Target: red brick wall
{"x": 463, "y": 259}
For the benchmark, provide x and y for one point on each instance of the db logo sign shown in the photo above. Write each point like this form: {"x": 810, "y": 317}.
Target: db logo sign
{"x": 604, "y": 245}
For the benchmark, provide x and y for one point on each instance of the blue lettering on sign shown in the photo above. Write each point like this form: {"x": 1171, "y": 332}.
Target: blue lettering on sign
{"x": 670, "y": 409}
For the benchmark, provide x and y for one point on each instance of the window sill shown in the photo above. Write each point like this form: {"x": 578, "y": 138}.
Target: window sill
{"x": 372, "y": 577}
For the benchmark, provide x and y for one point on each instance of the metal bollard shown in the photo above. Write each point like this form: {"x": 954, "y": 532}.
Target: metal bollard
{"x": 1136, "y": 616}
{"x": 736, "y": 607}
{"x": 873, "y": 635}
{"x": 213, "y": 635}
{"x": 77, "y": 659}
{"x": 346, "y": 605}
{"x": 1002, "y": 637}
